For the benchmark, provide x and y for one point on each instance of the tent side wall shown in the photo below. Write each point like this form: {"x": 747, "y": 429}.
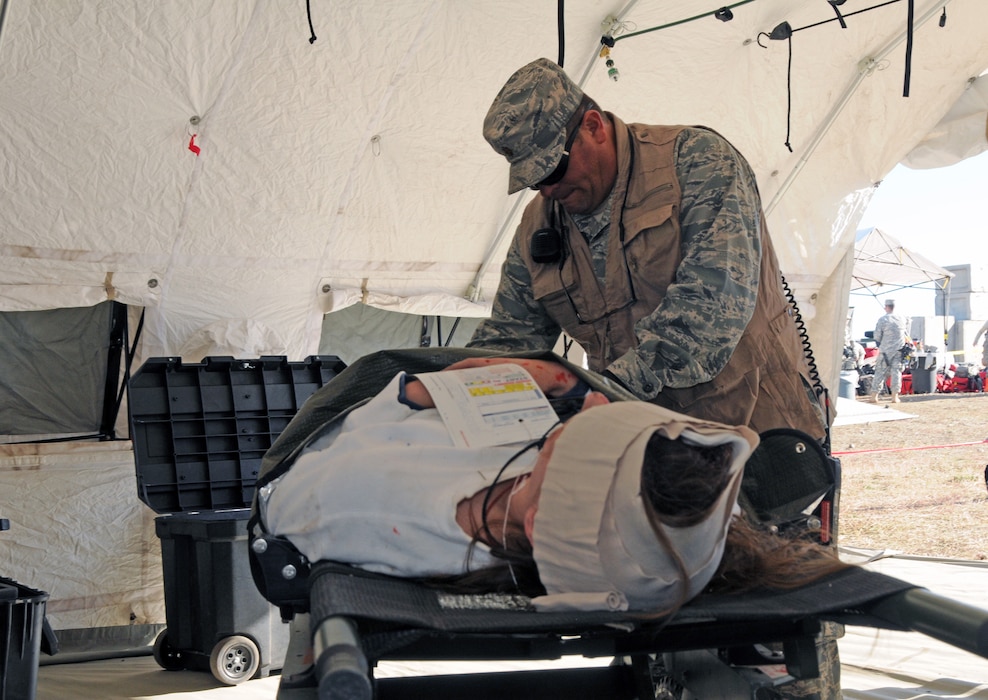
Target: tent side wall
{"x": 79, "y": 532}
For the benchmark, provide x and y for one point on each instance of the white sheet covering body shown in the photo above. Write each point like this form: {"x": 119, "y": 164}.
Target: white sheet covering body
{"x": 366, "y": 499}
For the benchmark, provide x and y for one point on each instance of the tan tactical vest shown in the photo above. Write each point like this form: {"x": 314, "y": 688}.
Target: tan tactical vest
{"x": 764, "y": 384}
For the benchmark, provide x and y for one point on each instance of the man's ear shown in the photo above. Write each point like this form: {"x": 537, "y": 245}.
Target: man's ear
{"x": 530, "y": 520}
{"x": 595, "y": 124}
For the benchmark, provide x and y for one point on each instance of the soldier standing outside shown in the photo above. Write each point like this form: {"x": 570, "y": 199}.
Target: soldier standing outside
{"x": 891, "y": 336}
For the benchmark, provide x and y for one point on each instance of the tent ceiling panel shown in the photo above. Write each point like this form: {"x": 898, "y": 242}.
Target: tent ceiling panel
{"x": 962, "y": 133}
{"x": 356, "y": 163}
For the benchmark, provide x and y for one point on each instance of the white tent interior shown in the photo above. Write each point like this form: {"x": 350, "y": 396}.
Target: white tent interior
{"x": 244, "y": 186}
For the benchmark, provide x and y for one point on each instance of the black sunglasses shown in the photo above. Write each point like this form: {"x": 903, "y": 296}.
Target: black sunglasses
{"x": 560, "y": 172}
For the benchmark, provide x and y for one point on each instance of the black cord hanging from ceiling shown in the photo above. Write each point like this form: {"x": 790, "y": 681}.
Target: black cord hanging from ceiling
{"x": 840, "y": 18}
{"x": 784, "y": 31}
{"x": 789, "y": 96}
{"x": 308, "y": 14}
{"x": 561, "y": 31}
{"x": 910, "y": 12}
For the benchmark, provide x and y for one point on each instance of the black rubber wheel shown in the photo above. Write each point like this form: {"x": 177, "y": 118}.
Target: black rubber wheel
{"x": 167, "y": 656}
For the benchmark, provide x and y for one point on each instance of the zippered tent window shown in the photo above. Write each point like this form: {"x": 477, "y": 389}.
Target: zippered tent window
{"x": 359, "y": 330}
{"x": 55, "y": 368}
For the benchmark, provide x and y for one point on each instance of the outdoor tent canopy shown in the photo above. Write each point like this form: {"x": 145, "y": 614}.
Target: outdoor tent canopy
{"x": 205, "y": 161}
{"x": 883, "y": 265}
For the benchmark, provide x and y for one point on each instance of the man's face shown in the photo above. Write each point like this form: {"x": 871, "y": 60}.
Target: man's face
{"x": 590, "y": 172}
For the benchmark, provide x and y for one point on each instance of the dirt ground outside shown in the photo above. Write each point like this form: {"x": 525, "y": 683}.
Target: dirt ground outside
{"x": 917, "y": 485}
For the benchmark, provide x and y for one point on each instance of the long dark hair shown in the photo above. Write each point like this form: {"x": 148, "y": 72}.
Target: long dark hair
{"x": 757, "y": 558}
{"x": 682, "y": 482}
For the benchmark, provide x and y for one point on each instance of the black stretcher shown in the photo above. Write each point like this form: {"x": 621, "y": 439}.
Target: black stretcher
{"x": 357, "y": 619}
{"x": 715, "y": 646}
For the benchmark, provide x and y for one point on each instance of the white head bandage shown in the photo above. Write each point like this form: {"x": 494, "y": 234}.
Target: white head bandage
{"x": 592, "y": 539}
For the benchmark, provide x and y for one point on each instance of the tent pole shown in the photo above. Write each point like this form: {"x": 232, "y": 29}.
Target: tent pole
{"x": 117, "y": 347}
{"x": 3, "y": 16}
{"x": 946, "y": 306}
{"x": 473, "y": 292}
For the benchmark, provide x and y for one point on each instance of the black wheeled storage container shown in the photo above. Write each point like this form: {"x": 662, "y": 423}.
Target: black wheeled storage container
{"x": 22, "y": 615}
{"x": 199, "y": 433}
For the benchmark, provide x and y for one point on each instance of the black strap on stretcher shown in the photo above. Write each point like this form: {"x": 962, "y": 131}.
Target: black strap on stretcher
{"x": 392, "y": 618}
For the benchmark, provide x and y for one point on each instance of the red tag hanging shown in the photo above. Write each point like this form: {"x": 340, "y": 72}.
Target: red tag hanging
{"x": 192, "y": 144}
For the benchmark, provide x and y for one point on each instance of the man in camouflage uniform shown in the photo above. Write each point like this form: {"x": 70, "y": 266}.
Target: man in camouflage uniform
{"x": 648, "y": 246}
{"x": 891, "y": 335}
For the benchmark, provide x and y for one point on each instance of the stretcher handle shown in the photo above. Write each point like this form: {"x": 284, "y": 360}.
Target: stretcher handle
{"x": 958, "y": 624}
{"x": 341, "y": 667}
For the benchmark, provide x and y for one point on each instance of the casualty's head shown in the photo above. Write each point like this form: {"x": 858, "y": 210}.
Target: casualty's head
{"x": 537, "y": 119}
{"x": 610, "y": 533}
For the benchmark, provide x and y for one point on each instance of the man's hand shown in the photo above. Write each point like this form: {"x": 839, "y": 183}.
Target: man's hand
{"x": 552, "y": 377}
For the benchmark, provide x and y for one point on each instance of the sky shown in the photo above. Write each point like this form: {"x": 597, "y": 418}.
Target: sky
{"x": 940, "y": 213}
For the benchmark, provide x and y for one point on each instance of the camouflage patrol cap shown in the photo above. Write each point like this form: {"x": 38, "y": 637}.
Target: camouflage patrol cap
{"x": 527, "y": 121}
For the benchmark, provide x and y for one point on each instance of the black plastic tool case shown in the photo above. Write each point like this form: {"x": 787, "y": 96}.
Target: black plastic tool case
{"x": 199, "y": 433}
{"x": 22, "y": 616}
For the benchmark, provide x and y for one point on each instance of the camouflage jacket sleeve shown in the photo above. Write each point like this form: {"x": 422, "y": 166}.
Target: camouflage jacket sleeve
{"x": 879, "y": 331}
{"x": 517, "y": 321}
{"x": 691, "y": 336}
